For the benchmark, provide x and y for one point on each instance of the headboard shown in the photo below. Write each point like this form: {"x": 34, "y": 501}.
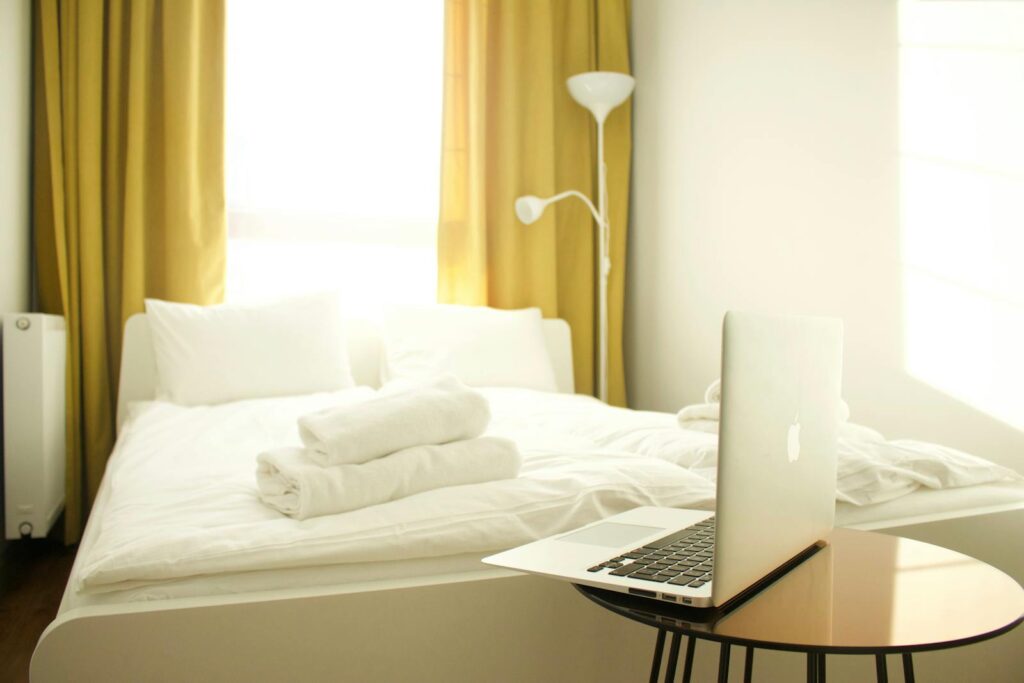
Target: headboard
{"x": 138, "y": 365}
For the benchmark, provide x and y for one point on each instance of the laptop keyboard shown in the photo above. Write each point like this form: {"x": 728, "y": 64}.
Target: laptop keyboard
{"x": 683, "y": 558}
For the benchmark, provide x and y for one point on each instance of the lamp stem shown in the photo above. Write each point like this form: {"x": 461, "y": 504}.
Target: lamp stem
{"x": 604, "y": 265}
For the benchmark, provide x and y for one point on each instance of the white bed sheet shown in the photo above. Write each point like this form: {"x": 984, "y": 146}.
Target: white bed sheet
{"x": 179, "y": 515}
{"x": 356, "y": 576}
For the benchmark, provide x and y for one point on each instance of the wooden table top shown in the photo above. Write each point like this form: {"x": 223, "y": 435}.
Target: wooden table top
{"x": 864, "y": 592}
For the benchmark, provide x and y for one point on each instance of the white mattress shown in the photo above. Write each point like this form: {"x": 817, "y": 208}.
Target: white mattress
{"x": 637, "y": 458}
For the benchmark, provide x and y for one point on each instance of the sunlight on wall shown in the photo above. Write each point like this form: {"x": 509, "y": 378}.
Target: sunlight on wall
{"x": 962, "y": 196}
{"x": 333, "y": 148}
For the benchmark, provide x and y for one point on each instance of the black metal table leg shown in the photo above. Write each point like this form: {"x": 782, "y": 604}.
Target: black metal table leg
{"x": 691, "y": 643}
{"x": 723, "y": 663}
{"x": 908, "y": 668}
{"x": 673, "y": 658}
{"x": 659, "y": 647}
{"x": 881, "y": 672}
{"x": 816, "y": 670}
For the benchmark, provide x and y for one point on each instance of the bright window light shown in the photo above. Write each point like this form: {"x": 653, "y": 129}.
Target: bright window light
{"x": 333, "y": 149}
{"x": 962, "y": 180}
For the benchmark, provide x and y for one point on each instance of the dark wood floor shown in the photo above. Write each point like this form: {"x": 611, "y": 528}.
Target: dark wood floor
{"x": 32, "y": 578}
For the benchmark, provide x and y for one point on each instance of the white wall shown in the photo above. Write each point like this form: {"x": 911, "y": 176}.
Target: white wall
{"x": 15, "y": 99}
{"x": 766, "y": 176}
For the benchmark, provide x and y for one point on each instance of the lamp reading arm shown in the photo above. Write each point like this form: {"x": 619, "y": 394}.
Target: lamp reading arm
{"x": 529, "y": 207}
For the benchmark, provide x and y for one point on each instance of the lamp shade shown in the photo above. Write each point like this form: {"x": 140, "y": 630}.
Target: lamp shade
{"x": 600, "y": 91}
{"x": 529, "y": 208}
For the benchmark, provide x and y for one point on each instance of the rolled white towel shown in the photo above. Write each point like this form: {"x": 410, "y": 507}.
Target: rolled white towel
{"x": 291, "y": 482}
{"x": 713, "y": 394}
{"x": 700, "y": 412}
{"x": 434, "y": 412}
{"x": 704, "y": 417}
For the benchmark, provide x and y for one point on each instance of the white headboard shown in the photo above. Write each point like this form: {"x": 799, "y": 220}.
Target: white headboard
{"x": 138, "y": 365}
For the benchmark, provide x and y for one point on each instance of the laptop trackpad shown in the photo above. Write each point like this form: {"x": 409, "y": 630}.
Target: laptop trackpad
{"x": 611, "y": 534}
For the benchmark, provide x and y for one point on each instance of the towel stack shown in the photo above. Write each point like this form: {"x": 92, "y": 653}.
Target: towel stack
{"x": 406, "y": 440}
{"x": 703, "y": 417}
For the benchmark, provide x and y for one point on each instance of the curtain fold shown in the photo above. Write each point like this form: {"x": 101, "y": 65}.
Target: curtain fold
{"x": 511, "y": 128}
{"x": 128, "y": 173}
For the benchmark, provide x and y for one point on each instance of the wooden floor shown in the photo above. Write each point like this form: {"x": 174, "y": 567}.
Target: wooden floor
{"x": 32, "y": 578}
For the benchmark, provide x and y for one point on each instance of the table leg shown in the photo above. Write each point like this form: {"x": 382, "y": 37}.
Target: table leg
{"x": 691, "y": 643}
{"x": 673, "y": 658}
{"x": 659, "y": 647}
{"x": 881, "y": 671}
{"x": 821, "y": 667}
{"x": 812, "y": 668}
{"x": 748, "y": 665}
{"x": 908, "y": 668}
{"x": 723, "y": 663}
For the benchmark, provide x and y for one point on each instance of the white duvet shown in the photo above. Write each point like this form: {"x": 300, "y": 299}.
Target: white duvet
{"x": 182, "y": 497}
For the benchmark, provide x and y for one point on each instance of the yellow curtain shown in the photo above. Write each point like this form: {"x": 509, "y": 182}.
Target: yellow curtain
{"x": 129, "y": 188}
{"x": 511, "y": 128}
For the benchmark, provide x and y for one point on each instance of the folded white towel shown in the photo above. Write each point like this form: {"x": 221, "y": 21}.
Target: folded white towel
{"x": 703, "y": 417}
{"x": 291, "y": 482}
{"x": 437, "y": 411}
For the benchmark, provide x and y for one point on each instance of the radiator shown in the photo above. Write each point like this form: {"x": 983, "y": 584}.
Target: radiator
{"x": 34, "y": 414}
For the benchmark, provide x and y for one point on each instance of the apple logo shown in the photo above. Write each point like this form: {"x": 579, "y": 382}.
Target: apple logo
{"x": 793, "y": 440}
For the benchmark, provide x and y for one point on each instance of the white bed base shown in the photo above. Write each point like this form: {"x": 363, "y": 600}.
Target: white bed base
{"x": 483, "y": 626}
{"x": 486, "y": 625}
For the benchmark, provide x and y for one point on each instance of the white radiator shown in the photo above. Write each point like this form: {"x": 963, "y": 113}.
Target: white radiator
{"x": 34, "y": 428}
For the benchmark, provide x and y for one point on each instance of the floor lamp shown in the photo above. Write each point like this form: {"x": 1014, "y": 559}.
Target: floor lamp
{"x": 600, "y": 92}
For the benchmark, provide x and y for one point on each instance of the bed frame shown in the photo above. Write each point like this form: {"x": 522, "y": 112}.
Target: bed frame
{"x": 485, "y": 625}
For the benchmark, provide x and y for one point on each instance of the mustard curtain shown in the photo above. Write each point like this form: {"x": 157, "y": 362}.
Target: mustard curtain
{"x": 129, "y": 188}
{"x": 511, "y": 128}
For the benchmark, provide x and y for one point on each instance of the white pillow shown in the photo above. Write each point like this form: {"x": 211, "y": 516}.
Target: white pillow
{"x": 483, "y": 347}
{"x": 214, "y": 354}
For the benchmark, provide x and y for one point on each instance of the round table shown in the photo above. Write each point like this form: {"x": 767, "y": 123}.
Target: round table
{"x": 864, "y": 593}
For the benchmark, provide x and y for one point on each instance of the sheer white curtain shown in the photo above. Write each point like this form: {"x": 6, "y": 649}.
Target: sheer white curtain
{"x": 333, "y": 149}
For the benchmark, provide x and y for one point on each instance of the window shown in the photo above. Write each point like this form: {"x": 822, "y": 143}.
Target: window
{"x": 333, "y": 149}
{"x": 962, "y": 180}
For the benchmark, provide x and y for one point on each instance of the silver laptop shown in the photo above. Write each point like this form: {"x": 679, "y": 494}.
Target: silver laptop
{"x": 776, "y": 485}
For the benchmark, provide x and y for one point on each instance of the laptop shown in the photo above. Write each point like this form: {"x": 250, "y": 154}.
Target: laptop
{"x": 776, "y": 483}
{"x": 807, "y": 590}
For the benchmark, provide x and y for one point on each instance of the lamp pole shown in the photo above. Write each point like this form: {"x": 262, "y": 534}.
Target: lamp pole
{"x": 600, "y": 92}
{"x": 604, "y": 266}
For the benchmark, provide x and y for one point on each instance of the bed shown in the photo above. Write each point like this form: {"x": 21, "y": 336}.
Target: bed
{"x": 147, "y": 609}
